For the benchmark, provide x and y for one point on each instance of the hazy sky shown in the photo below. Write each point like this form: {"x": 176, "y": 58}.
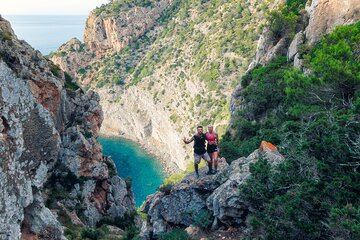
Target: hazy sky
{"x": 48, "y": 7}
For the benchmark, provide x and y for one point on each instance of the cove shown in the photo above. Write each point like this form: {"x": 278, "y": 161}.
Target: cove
{"x": 145, "y": 171}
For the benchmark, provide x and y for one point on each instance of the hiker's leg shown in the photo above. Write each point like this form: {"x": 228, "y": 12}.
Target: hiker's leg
{"x": 197, "y": 159}
{"x": 196, "y": 166}
{"x": 215, "y": 160}
{"x": 211, "y": 155}
{"x": 207, "y": 158}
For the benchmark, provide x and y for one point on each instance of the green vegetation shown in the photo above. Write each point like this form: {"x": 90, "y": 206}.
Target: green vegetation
{"x": 175, "y": 234}
{"x": 55, "y": 70}
{"x": 87, "y": 233}
{"x": 115, "y": 6}
{"x": 126, "y": 223}
{"x": 69, "y": 84}
{"x": 6, "y": 36}
{"x": 175, "y": 178}
{"x": 203, "y": 219}
{"x": 314, "y": 119}
{"x": 286, "y": 20}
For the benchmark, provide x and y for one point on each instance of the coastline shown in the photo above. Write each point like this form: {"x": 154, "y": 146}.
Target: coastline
{"x": 169, "y": 169}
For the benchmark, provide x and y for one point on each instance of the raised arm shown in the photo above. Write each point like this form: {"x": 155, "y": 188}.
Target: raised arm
{"x": 188, "y": 141}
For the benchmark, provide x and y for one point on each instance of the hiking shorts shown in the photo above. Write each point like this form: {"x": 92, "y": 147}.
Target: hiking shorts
{"x": 198, "y": 157}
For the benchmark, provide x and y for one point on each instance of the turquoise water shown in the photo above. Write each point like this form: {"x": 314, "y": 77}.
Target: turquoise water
{"x": 146, "y": 172}
{"x": 47, "y": 33}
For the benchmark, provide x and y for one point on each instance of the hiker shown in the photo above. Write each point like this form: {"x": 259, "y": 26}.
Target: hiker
{"x": 199, "y": 150}
{"x": 213, "y": 147}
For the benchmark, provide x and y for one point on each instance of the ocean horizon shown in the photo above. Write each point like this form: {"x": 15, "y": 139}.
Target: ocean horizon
{"x": 47, "y": 33}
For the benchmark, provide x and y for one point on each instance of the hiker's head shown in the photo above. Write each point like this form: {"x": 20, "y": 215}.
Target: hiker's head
{"x": 200, "y": 129}
{"x": 210, "y": 128}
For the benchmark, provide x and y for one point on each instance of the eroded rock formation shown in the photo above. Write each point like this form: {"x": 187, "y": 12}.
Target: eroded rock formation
{"x": 50, "y": 160}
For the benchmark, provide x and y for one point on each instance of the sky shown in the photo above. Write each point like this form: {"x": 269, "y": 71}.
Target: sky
{"x": 48, "y": 7}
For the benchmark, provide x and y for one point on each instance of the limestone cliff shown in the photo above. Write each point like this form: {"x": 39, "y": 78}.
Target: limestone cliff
{"x": 318, "y": 18}
{"x": 114, "y": 31}
{"x": 51, "y": 168}
{"x": 173, "y": 72}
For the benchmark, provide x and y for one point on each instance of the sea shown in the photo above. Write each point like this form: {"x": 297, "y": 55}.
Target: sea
{"x": 47, "y": 34}
{"x": 145, "y": 171}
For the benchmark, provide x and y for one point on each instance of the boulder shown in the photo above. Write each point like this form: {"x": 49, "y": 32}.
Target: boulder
{"x": 218, "y": 194}
{"x": 294, "y": 45}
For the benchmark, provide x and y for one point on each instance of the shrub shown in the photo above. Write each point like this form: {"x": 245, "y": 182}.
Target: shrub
{"x": 165, "y": 188}
{"x": 203, "y": 219}
{"x": 90, "y": 234}
{"x": 175, "y": 234}
{"x": 174, "y": 117}
{"x": 55, "y": 70}
{"x": 6, "y": 36}
{"x": 69, "y": 84}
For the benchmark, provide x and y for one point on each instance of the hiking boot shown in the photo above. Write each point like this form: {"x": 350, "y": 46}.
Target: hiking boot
{"x": 214, "y": 171}
{"x": 209, "y": 172}
{"x": 197, "y": 175}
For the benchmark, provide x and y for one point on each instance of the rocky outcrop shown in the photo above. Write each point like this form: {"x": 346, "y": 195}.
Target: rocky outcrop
{"x": 268, "y": 49}
{"x": 49, "y": 155}
{"x": 320, "y": 16}
{"x": 325, "y": 15}
{"x": 74, "y": 52}
{"x": 110, "y": 31}
{"x": 182, "y": 203}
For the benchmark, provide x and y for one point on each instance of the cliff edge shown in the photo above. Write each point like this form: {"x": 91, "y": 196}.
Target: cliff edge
{"x": 52, "y": 168}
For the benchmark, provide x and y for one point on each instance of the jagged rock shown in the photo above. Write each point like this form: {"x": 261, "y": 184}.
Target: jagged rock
{"x": 114, "y": 32}
{"x": 47, "y": 133}
{"x": 298, "y": 62}
{"x": 218, "y": 194}
{"x": 294, "y": 45}
{"x": 121, "y": 200}
{"x": 74, "y": 52}
{"x": 267, "y": 49}
{"x": 42, "y": 222}
{"x": 226, "y": 201}
{"x": 115, "y": 233}
{"x": 192, "y": 230}
{"x": 325, "y": 15}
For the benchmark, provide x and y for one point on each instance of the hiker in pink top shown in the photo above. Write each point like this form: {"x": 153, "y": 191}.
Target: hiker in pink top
{"x": 213, "y": 146}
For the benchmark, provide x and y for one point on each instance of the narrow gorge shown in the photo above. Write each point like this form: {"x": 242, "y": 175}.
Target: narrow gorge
{"x": 163, "y": 69}
{"x": 279, "y": 80}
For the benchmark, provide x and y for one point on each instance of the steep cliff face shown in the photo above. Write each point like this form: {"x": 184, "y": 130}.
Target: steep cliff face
{"x": 50, "y": 160}
{"x": 324, "y": 16}
{"x": 318, "y": 18}
{"x": 176, "y": 73}
{"x": 114, "y": 31}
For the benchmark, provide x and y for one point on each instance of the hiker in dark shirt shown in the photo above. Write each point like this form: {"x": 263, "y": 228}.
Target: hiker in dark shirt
{"x": 199, "y": 150}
